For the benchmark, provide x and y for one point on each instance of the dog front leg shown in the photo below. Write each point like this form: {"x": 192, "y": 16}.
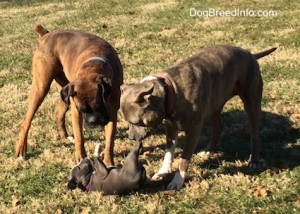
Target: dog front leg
{"x": 192, "y": 138}
{"x": 110, "y": 133}
{"x": 171, "y": 135}
{"x": 78, "y": 132}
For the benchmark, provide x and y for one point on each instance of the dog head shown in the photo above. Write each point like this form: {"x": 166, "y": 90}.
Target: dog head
{"x": 80, "y": 174}
{"x": 143, "y": 104}
{"x": 91, "y": 96}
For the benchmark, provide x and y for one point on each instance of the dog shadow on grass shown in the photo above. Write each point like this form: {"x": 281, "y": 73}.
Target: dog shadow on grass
{"x": 279, "y": 148}
{"x": 278, "y": 136}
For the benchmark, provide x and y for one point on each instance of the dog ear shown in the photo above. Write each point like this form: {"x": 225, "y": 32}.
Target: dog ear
{"x": 105, "y": 85}
{"x": 107, "y": 81}
{"x": 67, "y": 92}
{"x": 104, "y": 80}
{"x": 146, "y": 93}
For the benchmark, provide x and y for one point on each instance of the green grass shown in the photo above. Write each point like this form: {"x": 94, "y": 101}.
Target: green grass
{"x": 151, "y": 36}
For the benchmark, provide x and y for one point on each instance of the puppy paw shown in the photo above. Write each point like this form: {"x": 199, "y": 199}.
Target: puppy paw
{"x": 70, "y": 138}
{"x": 163, "y": 171}
{"x": 97, "y": 149}
{"x": 177, "y": 182}
{"x": 157, "y": 177}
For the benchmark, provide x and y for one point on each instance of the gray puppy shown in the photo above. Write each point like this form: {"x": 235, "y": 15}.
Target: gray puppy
{"x": 93, "y": 175}
{"x": 193, "y": 91}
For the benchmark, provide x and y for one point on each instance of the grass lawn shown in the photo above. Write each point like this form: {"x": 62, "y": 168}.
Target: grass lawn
{"x": 150, "y": 36}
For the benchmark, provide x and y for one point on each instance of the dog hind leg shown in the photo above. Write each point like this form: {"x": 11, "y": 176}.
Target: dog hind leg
{"x": 253, "y": 110}
{"x": 252, "y": 105}
{"x": 60, "y": 115}
{"x": 61, "y": 108}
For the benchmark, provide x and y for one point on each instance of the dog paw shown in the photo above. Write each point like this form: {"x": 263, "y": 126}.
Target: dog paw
{"x": 177, "y": 182}
{"x": 70, "y": 138}
{"x": 21, "y": 158}
{"x": 157, "y": 177}
{"x": 97, "y": 149}
{"x": 253, "y": 163}
{"x": 163, "y": 171}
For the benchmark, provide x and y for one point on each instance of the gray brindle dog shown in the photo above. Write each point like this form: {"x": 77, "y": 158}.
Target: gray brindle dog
{"x": 93, "y": 175}
{"x": 193, "y": 91}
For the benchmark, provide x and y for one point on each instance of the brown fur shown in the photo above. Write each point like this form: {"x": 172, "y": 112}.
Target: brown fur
{"x": 61, "y": 56}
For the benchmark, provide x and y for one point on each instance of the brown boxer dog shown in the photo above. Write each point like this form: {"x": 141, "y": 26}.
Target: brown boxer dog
{"x": 88, "y": 70}
{"x": 191, "y": 92}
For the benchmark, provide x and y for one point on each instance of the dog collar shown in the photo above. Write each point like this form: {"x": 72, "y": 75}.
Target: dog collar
{"x": 104, "y": 60}
{"x": 169, "y": 93}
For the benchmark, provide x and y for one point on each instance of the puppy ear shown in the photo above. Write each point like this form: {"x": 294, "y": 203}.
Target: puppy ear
{"x": 67, "y": 92}
{"x": 146, "y": 93}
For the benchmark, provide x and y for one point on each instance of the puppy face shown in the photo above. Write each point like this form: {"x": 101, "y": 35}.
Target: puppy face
{"x": 91, "y": 96}
{"x": 143, "y": 104}
{"x": 80, "y": 174}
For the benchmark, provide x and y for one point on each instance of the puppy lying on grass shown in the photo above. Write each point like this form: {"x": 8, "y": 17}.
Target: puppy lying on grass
{"x": 93, "y": 175}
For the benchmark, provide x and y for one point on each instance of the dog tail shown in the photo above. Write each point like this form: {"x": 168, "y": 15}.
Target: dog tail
{"x": 264, "y": 53}
{"x": 40, "y": 30}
